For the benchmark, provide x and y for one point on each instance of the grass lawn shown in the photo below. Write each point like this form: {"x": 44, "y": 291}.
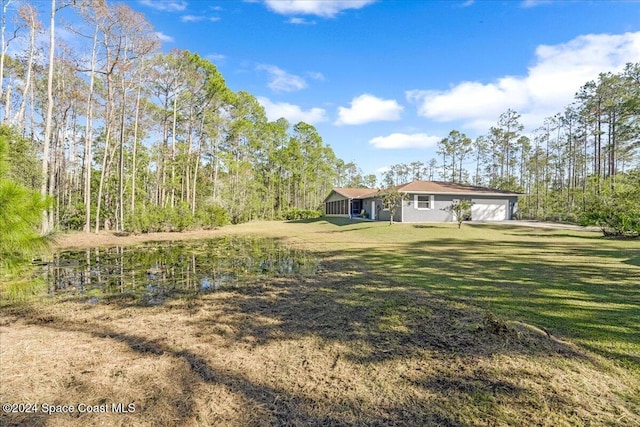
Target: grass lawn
{"x": 404, "y": 325}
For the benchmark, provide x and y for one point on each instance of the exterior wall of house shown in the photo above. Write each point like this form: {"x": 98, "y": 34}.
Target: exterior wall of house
{"x": 380, "y": 213}
{"x": 398, "y": 215}
{"x": 412, "y": 213}
{"x": 334, "y": 197}
{"x": 438, "y": 202}
{"x": 366, "y": 207}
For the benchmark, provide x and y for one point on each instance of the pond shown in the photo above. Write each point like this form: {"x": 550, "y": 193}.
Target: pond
{"x": 153, "y": 272}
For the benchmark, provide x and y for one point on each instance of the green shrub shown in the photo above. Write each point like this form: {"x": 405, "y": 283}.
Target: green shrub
{"x": 293, "y": 214}
{"x": 616, "y": 209}
{"x": 72, "y": 217}
{"x": 211, "y": 216}
{"x": 180, "y": 217}
{"x": 153, "y": 219}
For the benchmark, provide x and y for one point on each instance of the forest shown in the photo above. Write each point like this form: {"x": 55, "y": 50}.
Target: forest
{"x": 115, "y": 134}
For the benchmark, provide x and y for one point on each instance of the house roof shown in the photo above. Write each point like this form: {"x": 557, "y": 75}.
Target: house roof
{"x": 431, "y": 187}
{"x": 439, "y": 187}
{"x": 355, "y": 193}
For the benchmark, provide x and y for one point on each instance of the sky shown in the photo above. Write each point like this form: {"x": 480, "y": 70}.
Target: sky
{"x": 384, "y": 80}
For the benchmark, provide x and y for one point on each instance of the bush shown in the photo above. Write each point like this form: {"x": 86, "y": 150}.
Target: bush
{"x": 72, "y": 217}
{"x": 180, "y": 217}
{"x": 616, "y": 210}
{"x": 159, "y": 219}
{"x": 293, "y": 214}
{"x": 212, "y": 216}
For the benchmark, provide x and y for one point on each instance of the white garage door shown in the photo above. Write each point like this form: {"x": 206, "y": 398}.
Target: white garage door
{"x": 488, "y": 212}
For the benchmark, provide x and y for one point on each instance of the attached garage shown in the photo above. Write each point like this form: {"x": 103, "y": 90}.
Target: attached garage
{"x": 489, "y": 210}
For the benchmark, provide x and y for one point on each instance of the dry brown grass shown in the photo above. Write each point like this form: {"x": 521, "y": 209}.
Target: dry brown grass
{"x": 340, "y": 348}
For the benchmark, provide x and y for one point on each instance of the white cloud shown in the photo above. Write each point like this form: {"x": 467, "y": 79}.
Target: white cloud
{"x": 293, "y": 113}
{"x": 316, "y": 75}
{"x": 368, "y": 108}
{"x": 164, "y": 38}
{"x": 534, "y": 3}
{"x": 216, "y": 57}
{"x": 323, "y": 8}
{"x": 165, "y": 5}
{"x": 199, "y": 18}
{"x": 281, "y": 81}
{"x": 556, "y": 75}
{"x": 300, "y": 21}
{"x": 403, "y": 140}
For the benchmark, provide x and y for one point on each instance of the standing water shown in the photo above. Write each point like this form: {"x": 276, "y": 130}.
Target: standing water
{"x": 153, "y": 272}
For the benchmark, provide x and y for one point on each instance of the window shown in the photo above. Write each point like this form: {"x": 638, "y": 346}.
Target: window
{"x": 423, "y": 201}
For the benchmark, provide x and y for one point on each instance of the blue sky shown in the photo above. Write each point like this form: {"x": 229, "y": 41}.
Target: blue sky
{"x": 383, "y": 81}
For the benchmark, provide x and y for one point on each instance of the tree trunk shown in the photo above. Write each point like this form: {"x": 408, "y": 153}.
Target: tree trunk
{"x": 135, "y": 146}
{"x": 173, "y": 150}
{"x": 103, "y": 172}
{"x": 30, "y": 16}
{"x": 46, "y": 225}
{"x": 120, "y": 219}
{"x": 3, "y": 47}
{"x": 88, "y": 138}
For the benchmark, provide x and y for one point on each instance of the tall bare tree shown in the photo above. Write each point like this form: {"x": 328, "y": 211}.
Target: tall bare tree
{"x": 47, "y": 177}
{"x": 30, "y": 17}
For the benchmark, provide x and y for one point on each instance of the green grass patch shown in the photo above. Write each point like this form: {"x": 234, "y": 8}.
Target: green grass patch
{"x": 574, "y": 284}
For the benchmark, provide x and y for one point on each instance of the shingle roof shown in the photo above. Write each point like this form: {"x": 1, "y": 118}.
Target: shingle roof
{"x": 448, "y": 188}
{"x": 353, "y": 193}
{"x": 434, "y": 187}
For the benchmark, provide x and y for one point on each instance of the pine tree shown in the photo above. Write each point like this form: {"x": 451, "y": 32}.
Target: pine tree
{"x": 20, "y": 216}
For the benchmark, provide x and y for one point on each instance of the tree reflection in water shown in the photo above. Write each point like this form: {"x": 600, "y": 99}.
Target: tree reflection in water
{"x": 153, "y": 272}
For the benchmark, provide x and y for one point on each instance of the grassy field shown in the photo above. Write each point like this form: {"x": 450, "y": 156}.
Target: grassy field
{"x": 404, "y": 325}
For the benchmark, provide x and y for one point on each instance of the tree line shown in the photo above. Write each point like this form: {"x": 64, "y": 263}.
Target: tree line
{"x": 130, "y": 138}
{"x": 115, "y": 134}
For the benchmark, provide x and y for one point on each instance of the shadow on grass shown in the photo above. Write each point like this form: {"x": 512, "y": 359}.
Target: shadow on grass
{"x": 283, "y": 407}
{"x": 542, "y": 230}
{"x": 634, "y": 260}
{"x": 335, "y": 220}
{"x": 433, "y": 295}
{"x": 448, "y": 298}
{"x": 555, "y": 234}
{"x": 570, "y": 289}
{"x": 349, "y": 230}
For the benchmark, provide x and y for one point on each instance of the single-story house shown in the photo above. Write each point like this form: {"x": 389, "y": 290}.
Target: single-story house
{"x": 425, "y": 201}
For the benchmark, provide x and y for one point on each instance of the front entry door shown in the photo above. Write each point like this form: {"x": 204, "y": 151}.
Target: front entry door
{"x": 356, "y": 207}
